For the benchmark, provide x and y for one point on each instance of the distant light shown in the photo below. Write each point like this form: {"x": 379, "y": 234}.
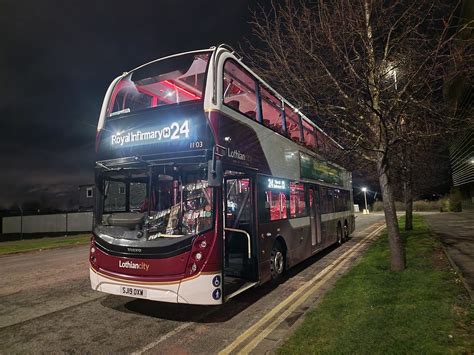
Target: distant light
{"x": 364, "y": 189}
{"x": 471, "y": 161}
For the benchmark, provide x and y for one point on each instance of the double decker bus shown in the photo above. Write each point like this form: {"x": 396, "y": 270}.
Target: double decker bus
{"x": 208, "y": 182}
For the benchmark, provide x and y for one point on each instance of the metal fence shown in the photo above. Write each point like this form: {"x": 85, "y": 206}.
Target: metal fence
{"x": 54, "y": 223}
{"x": 49, "y": 223}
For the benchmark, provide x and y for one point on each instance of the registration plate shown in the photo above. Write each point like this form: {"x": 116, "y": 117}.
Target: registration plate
{"x": 133, "y": 291}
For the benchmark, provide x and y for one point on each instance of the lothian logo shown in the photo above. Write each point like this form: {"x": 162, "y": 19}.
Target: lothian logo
{"x": 235, "y": 154}
{"x": 131, "y": 265}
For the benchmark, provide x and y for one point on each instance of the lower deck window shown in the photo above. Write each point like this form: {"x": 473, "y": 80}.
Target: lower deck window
{"x": 297, "y": 200}
{"x": 276, "y": 204}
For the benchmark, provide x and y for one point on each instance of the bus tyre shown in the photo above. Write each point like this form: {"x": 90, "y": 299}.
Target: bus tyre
{"x": 339, "y": 235}
{"x": 346, "y": 232}
{"x": 277, "y": 262}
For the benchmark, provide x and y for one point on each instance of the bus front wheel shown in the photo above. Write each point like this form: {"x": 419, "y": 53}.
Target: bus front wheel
{"x": 277, "y": 262}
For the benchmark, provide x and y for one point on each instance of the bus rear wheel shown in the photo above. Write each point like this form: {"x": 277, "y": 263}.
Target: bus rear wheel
{"x": 340, "y": 239}
{"x": 277, "y": 262}
{"x": 346, "y": 232}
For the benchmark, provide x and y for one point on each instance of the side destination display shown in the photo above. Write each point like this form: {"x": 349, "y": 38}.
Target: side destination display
{"x": 313, "y": 168}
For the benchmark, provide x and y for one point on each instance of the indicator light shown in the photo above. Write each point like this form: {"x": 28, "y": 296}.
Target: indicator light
{"x": 203, "y": 244}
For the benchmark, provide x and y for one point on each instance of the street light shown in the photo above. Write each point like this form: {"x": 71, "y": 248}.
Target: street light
{"x": 392, "y": 69}
{"x": 366, "y": 210}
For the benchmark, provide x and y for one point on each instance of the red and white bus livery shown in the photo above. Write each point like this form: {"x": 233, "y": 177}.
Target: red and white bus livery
{"x": 208, "y": 182}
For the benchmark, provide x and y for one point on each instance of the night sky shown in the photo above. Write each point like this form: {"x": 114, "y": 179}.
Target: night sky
{"x": 57, "y": 59}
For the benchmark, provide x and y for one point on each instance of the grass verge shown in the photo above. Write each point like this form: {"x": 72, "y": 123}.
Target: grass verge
{"x": 42, "y": 243}
{"x": 371, "y": 310}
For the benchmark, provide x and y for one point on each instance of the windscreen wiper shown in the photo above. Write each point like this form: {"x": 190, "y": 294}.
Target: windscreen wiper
{"x": 104, "y": 166}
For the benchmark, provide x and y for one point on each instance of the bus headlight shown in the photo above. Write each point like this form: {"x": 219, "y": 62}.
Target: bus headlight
{"x": 198, "y": 256}
{"x": 193, "y": 268}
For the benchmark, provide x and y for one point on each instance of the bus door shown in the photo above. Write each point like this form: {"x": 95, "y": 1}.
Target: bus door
{"x": 240, "y": 261}
{"x": 315, "y": 218}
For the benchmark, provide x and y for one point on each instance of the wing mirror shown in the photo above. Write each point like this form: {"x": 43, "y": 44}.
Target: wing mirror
{"x": 214, "y": 173}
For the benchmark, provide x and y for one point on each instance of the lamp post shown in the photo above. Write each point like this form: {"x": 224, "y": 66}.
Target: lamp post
{"x": 366, "y": 210}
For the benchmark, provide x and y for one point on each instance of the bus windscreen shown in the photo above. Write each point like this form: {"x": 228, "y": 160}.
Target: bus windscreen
{"x": 170, "y": 207}
{"x": 165, "y": 82}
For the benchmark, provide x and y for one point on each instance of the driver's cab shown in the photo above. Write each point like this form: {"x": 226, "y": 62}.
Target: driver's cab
{"x": 155, "y": 202}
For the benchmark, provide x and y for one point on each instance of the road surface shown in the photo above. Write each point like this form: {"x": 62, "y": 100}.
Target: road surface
{"x": 46, "y": 305}
{"x": 456, "y": 231}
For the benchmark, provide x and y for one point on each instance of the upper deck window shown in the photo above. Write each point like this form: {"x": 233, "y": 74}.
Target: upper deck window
{"x": 271, "y": 111}
{"x": 164, "y": 82}
{"x": 325, "y": 144}
{"x": 309, "y": 135}
{"x": 239, "y": 90}
{"x": 293, "y": 124}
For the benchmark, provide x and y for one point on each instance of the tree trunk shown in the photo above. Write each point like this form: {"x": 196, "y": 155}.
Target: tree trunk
{"x": 408, "y": 205}
{"x": 408, "y": 185}
{"x": 397, "y": 249}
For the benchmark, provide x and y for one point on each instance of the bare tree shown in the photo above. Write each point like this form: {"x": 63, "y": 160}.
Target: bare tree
{"x": 367, "y": 68}
{"x": 418, "y": 168}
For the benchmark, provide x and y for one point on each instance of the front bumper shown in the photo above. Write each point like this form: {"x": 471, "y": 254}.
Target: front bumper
{"x": 203, "y": 289}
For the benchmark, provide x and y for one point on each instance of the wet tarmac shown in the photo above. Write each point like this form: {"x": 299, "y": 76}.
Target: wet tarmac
{"x": 46, "y": 305}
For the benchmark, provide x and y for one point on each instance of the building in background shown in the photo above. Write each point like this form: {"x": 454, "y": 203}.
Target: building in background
{"x": 461, "y": 153}
{"x": 86, "y": 197}
{"x": 461, "y": 148}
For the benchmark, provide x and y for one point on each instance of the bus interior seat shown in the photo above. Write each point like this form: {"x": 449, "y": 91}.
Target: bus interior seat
{"x": 251, "y": 114}
{"x": 234, "y": 104}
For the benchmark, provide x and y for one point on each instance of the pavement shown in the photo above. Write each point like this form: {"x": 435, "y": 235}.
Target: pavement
{"x": 456, "y": 232}
{"x": 47, "y": 306}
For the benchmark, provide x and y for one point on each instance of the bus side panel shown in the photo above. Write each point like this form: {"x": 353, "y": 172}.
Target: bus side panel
{"x": 250, "y": 144}
{"x": 296, "y": 234}
{"x": 298, "y": 239}
{"x": 267, "y": 233}
{"x": 243, "y": 146}
{"x": 331, "y": 232}
{"x": 214, "y": 259}
{"x": 329, "y": 225}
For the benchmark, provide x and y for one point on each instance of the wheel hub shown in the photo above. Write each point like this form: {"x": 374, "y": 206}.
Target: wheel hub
{"x": 279, "y": 262}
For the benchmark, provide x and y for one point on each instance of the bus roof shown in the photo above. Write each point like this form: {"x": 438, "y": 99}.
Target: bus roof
{"x": 239, "y": 58}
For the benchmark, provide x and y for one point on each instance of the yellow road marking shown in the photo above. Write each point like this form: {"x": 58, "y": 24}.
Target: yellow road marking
{"x": 296, "y": 304}
{"x": 307, "y": 289}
